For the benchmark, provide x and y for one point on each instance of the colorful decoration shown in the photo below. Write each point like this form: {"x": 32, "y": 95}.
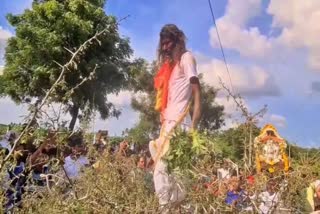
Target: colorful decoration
{"x": 270, "y": 150}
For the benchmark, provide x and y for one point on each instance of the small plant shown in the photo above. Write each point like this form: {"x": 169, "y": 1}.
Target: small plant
{"x": 186, "y": 148}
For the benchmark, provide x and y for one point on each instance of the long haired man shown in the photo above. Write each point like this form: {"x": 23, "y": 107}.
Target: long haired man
{"x": 177, "y": 85}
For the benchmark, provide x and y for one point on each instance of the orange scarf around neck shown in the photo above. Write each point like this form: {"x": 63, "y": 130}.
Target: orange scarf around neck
{"x": 161, "y": 84}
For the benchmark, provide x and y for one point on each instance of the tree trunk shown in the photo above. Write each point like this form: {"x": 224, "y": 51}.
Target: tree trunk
{"x": 250, "y": 145}
{"x": 245, "y": 156}
{"x": 74, "y": 111}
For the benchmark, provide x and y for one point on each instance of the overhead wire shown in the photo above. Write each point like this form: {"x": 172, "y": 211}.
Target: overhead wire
{"x": 220, "y": 43}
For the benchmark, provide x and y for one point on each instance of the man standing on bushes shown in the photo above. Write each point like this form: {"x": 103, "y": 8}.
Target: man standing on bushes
{"x": 176, "y": 83}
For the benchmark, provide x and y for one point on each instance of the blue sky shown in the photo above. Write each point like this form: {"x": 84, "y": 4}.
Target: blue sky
{"x": 271, "y": 48}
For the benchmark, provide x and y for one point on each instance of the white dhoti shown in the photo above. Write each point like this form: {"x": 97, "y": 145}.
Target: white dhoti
{"x": 167, "y": 188}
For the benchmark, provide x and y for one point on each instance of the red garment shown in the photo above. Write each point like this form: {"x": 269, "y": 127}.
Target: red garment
{"x": 161, "y": 84}
{"x": 250, "y": 179}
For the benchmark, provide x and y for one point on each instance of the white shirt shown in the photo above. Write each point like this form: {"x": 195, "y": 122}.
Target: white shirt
{"x": 268, "y": 202}
{"x": 223, "y": 173}
{"x": 73, "y": 167}
{"x": 5, "y": 144}
{"x": 180, "y": 91}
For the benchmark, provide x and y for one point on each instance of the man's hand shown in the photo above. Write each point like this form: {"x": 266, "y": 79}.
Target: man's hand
{"x": 161, "y": 118}
{"x": 196, "y": 93}
{"x": 194, "y": 135}
{"x": 198, "y": 144}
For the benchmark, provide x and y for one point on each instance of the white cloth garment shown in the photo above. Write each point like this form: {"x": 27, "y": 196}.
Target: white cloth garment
{"x": 223, "y": 174}
{"x": 180, "y": 91}
{"x": 73, "y": 167}
{"x": 5, "y": 144}
{"x": 268, "y": 202}
{"x": 167, "y": 188}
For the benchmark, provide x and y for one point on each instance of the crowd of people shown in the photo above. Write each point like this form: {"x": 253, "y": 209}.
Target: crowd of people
{"x": 242, "y": 192}
{"x": 32, "y": 167}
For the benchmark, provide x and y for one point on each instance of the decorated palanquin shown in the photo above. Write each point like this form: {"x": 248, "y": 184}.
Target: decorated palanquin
{"x": 270, "y": 150}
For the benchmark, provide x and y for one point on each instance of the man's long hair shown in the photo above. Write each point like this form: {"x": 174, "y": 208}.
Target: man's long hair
{"x": 172, "y": 32}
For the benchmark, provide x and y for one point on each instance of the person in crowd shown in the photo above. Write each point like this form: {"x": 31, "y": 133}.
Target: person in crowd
{"x": 224, "y": 171}
{"x": 123, "y": 150}
{"x": 141, "y": 171}
{"x": 312, "y": 198}
{"x": 16, "y": 178}
{"x": 270, "y": 198}
{"x": 235, "y": 195}
{"x": 40, "y": 162}
{"x": 77, "y": 160}
{"x": 7, "y": 141}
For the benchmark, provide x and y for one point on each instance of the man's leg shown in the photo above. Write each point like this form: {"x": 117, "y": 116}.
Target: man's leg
{"x": 162, "y": 183}
{"x": 167, "y": 188}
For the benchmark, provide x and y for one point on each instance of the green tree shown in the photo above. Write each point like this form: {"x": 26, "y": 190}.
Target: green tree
{"x": 231, "y": 142}
{"x": 149, "y": 120}
{"x": 297, "y": 152}
{"x": 47, "y": 34}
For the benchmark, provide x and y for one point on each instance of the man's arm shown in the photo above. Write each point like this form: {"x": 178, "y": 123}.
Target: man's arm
{"x": 196, "y": 93}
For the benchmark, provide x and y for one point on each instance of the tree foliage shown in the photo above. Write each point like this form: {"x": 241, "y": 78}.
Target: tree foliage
{"x": 143, "y": 102}
{"x": 46, "y": 36}
{"x": 231, "y": 142}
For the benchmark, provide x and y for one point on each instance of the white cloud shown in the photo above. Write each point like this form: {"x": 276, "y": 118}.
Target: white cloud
{"x": 299, "y": 23}
{"x": 230, "y": 107}
{"x": 10, "y": 112}
{"x": 1, "y": 70}
{"x": 249, "y": 43}
{"x": 232, "y": 116}
{"x": 240, "y": 11}
{"x": 234, "y": 35}
{"x": 251, "y": 81}
{"x": 278, "y": 121}
{"x": 4, "y": 36}
{"x": 123, "y": 98}
{"x": 127, "y": 119}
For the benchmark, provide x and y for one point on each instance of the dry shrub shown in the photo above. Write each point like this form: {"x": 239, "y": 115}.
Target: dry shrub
{"x": 113, "y": 188}
{"x": 116, "y": 187}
